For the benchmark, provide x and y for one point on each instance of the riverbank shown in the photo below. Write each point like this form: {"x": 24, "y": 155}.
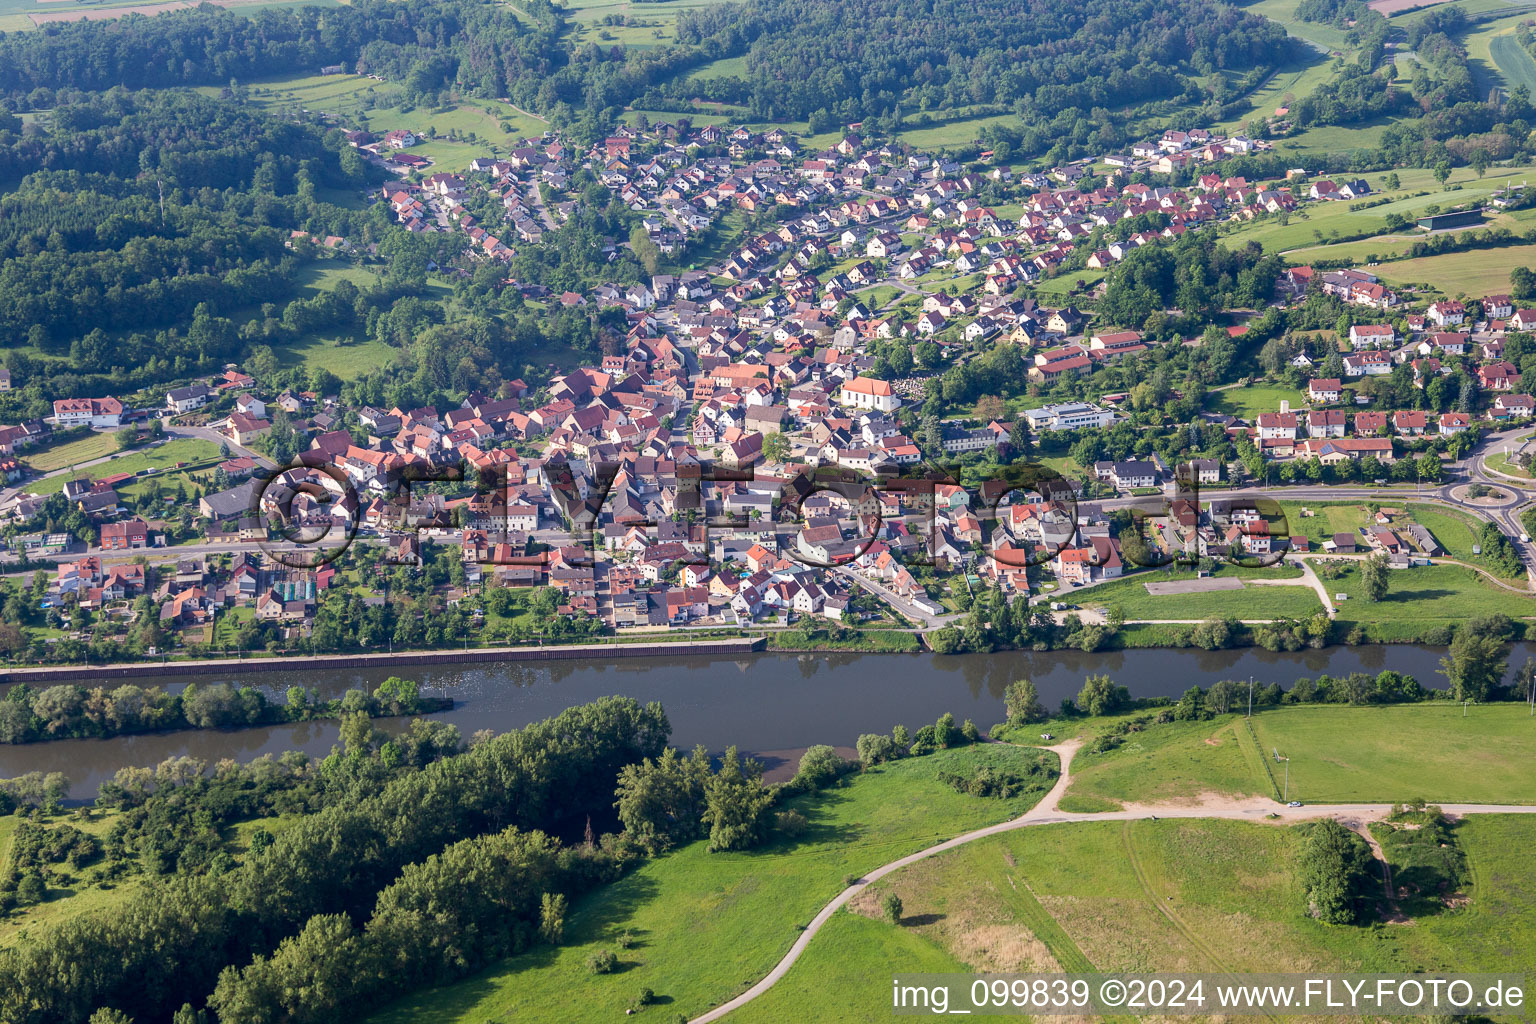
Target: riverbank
{"x": 398, "y": 659}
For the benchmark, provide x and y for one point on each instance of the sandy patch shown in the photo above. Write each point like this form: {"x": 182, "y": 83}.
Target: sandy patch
{"x": 1200, "y": 586}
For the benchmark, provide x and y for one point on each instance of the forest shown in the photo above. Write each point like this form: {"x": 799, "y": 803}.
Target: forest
{"x": 845, "y": 60}
{"x": 156, "y": 215}
{"x": 469, "y": 46}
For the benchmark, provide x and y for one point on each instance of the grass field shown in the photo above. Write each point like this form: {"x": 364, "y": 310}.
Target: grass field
{"x": 1309, "y": 226}
{"x": 474, "y": 128}
{"x": 844, "y": 975}
{"x": 49, "y": 458}
{"x": 1059, "y": 287}
{"x": 958, "y": 132}
{"x": 70, "y": 893}
{"x": 1429, "y": 750}
{"x": 1339, "y": 754}
{"x": 1306, "y": 236}
{"x": 1499, "y": 462}
{"x": 1248, "y": 402}
{"x": 744, "y": 908}
{"x": 1325, "y": 37}
{"x": 1463, "y": 273}
{"x": 1327, "y": 519}
{"x": 1427, "y": 596}
{"x": 15, "y": 15}
{"x": 1457, "y": 533}
{"x": 183, "y": 449}
{"x": 1513, "y": 61}
{"x": 1362, "y": 250}
{"x": 1178, "y": 761}
{"x": 1287, "y": 84}
{"x": 1165, "y": 896}
{"x": 725, "y": 67}
{"x": 1252, "y": 602}
{"x": 342, "y": 354}
{"x": 1334, "y": 139}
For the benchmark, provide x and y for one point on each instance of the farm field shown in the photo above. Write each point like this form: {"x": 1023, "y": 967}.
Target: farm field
{"x": 742, "y": 907}
{"x": 1513, "y": 61}
{"x": 1496, "y": 57}
{"x": 1465, "y": 273}
{"x": 20, "y": 15}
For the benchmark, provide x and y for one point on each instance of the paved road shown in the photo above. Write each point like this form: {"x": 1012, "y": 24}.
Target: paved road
{"x": 893, "y": 599}
{"x": 1048, "y": 812}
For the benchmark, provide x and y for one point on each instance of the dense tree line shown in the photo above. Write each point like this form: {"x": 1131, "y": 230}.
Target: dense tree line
{"x": 170, "y": 946}
{"x": 210, "y": 45}
{"x": 851, "y": 59}
{"x": 69, "y": 711}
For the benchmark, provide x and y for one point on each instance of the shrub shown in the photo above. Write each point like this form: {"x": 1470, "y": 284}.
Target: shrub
{"x": 875, "y": 748}
{"x": 791, "y": 823}
{"x": 890, "y": 906}
{"x": 819, "y": 766}
{"x": 602, "y": 961}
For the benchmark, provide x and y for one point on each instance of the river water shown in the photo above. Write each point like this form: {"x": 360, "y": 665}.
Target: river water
{"x": 771, "y": 705}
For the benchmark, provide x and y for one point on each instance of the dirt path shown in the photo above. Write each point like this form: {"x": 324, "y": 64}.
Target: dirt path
{"x": 1309, "y": 575}
{"x": 1048, "y": 812}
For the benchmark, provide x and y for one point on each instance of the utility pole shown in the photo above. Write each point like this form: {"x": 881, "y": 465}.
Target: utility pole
{"x": 1250, "y": 696}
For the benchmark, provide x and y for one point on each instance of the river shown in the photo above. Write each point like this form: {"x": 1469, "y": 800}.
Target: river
{"x": 771, "y": 705}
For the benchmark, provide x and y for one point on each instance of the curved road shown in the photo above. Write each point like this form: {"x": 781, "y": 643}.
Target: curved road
{"x": 1047, "y": 812}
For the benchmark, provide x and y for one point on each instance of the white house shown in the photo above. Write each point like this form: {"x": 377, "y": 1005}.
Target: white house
{"x": 869, "y": 393}
{"x": 88, "y": 412}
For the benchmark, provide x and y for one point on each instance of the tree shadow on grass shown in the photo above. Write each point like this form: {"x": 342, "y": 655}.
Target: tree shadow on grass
{"x": 1405, "y": 596}
{"x": 819, "y": 831}
{"x": 600, "y": 917}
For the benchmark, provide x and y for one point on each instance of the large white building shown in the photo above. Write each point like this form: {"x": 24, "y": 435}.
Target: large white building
{"x": 869, "y": 393}
{"x": 1068, "y": 416}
